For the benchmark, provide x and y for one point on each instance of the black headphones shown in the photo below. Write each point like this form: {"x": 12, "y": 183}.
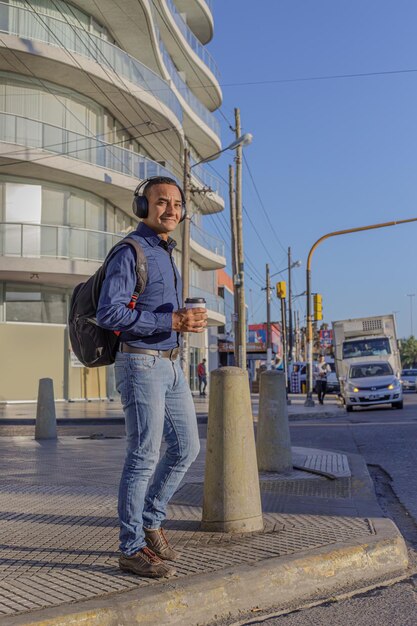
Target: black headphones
{"x": 140, "y": 205}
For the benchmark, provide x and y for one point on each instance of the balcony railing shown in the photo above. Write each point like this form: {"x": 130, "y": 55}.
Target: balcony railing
{"x": 57, "y": 242}
{"x": 207, "y": 179}
{"x": 207, "y": 241}
{"x": 192, "y": 40}
{"x": 32, "y": 133}
{"x": 28, "y": 24}
{"x": 195, "y": 104}
{"x": 213, "y": 302}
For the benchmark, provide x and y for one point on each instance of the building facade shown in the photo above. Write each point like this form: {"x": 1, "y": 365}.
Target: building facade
{"x": 95, "y": 97}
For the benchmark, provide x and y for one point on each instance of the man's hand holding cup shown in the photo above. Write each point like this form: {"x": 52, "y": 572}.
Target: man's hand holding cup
{"x": 192, "y": 318}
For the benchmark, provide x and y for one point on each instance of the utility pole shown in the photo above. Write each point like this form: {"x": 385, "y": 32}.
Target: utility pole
{"x": 185, "y": 259}
{"x": 284, "y": 339}
{"x": 290, "y": 321}
{"x": 268, "y": 320}
{"x": 411, "y": 296}
{"x": 297, "y": 336}
{"x": 241, "y": 322}
{"x": 233, "y": 227}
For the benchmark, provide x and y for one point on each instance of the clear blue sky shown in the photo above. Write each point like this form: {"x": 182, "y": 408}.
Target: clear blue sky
{"x": 327, "y": 154}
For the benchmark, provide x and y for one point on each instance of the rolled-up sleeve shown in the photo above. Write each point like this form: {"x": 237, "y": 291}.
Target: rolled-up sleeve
{"x": 116, "y": 293}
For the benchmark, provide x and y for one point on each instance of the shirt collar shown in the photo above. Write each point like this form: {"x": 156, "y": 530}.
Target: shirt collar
{"x": 152, "y": 237}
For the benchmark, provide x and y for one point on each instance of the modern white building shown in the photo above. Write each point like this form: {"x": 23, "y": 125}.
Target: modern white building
{"x": 95, "y": 96}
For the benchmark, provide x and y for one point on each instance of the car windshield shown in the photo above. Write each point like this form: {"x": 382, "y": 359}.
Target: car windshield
{"x": 370, "y": 369}
{"x": 366, "y": 347}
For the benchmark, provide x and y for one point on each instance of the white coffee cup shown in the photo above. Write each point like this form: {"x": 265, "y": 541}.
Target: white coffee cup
{"x": 195, "y": 303}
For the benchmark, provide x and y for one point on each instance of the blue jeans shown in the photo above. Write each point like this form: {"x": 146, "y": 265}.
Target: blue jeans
{"x": 157, "y": 402}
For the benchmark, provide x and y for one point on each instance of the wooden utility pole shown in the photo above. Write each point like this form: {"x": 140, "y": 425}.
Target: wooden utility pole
{"x": 268, "y": 320}
{"x": 240, "y": 287}
{"x": 233, "y": 228}
{"x": 185, "y": 261}
{"x": 284, "y": 339}
{"x": 290, "y": 319}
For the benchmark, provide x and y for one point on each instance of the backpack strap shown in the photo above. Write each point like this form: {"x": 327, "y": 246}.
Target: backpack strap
{"x": 141, "y": 270}
{"x": 141, "y": 267}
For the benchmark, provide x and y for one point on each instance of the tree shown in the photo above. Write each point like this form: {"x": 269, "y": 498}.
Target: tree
{"x": 408, "y": 352}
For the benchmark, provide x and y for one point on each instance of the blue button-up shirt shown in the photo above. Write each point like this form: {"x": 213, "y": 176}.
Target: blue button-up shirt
{"x": 149, "y": 324}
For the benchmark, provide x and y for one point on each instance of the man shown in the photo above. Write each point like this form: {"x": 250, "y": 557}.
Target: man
{"x": 202, "y": 378}
{"x": 321, "y": 371}
{"x": 156, "y": 398}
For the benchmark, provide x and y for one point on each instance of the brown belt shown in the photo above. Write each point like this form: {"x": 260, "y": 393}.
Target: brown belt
{"x": 166, "y": 354}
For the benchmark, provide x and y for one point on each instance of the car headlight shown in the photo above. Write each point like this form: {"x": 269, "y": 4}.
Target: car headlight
{"x": 395, "y": 384}
{"x": 352, "y": 388}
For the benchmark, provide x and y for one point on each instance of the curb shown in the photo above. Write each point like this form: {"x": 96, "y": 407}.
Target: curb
{"x": 282, "y": 582}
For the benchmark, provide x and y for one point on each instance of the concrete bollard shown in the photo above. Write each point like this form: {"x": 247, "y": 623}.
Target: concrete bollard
{"x": 273, "y": 444}
{"x": 232, "y": 501}
{"x": 45, "y": 413}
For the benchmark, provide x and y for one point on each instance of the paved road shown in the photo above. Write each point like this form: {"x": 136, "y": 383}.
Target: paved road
{"x": 387, "y": 440}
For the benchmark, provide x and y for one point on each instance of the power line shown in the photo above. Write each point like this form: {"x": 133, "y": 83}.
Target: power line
{"x": 250, "y": 220}
{"x": 262, "y": 204}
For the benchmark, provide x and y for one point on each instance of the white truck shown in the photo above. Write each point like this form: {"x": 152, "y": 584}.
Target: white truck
{"x": 367, "y": 361}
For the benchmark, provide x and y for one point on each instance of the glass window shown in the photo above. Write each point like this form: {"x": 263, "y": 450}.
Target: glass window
{"x": 53, "y": 206}
{"x": 42, "y": 304}
{"x": 76, "y": 211}
{"x": 109, "y": 218}
{"x": 368, "y": 370}
{"x": 124, "y": 224}
{"x": 366, "y": 347}
{"x": 52, "y": 108}
{"x": 94, "y": 214}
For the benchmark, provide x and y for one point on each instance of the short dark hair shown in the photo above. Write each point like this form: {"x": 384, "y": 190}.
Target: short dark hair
{"x": 161, "y": 180}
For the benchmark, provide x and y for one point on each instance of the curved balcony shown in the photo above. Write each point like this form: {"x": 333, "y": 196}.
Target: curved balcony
{"x": 186, "y": 93}
{"x": 193, "y": 42}
{"x": 215, "y": 305}
{"x": 27, "y": 132}
{"x": 199, "y": 17}
{"x": 29, "y": 25}
{"x": 21, "y": 239}
{"x": 51, "y": 254}
{"x": 206, "y": 250}
{"x": 190, "y": 55}
{"x": 74, "y": 147}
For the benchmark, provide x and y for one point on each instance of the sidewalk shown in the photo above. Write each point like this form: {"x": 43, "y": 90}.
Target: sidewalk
{"x": 105, "y": 411}
{"x": 324, "y": 534}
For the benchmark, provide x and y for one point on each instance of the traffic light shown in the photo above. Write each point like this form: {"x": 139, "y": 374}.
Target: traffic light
{"x": 318, "y": 307}
{"x": 281, "y": 289}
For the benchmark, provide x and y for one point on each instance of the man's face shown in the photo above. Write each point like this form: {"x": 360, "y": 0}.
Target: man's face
{"x": 165, "y": 208}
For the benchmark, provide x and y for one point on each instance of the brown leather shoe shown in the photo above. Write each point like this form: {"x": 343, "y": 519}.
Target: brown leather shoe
{"x": 145, "y": 563}
{"x": 156, "y": 540}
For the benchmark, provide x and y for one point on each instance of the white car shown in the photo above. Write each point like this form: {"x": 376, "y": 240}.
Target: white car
{"x": 372, "y": 383}
{"x": 409, "y": 379}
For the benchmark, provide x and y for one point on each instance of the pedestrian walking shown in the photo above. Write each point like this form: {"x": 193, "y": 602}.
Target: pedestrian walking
{"x": 321, "y": 370}
{"x": 295, "y": 382}
{"x": 156, "y": 397}
{"x": 202, "y": 378}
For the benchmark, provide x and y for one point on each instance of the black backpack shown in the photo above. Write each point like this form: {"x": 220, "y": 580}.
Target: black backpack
{"x": 92, "y": 345}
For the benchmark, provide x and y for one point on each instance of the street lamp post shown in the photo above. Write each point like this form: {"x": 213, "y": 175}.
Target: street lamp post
{"x": 411, "y": 296}
{"x": 188, "y": 189}
{"x": 309, "y": 399}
